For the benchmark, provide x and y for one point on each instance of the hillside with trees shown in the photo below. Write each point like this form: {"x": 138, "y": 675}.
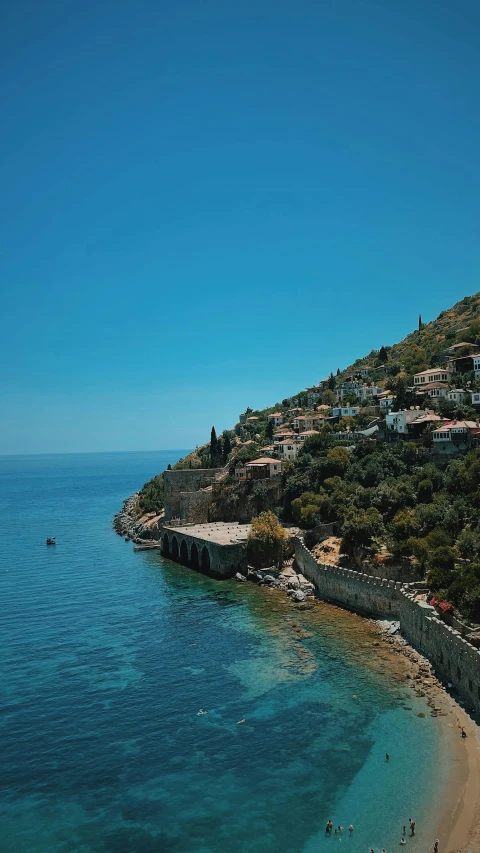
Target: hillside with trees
{"x": 387, "y": 501}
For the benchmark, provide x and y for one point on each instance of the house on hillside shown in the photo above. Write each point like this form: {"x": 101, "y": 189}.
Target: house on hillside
{"x": 475, "y": 399}
{"x": 409, "y": 423}
{"x": 457, "y": 395}
{"x": 345, "y": 411}
{"x": 305, "y": 422}
{"x": 288, "y": 449}
{"x": 259, "y": 469}
{"x": 455, "y": 436}
{"x": 434, "y": 390}
{"x": 385, "y": 401}
{"x": 277, "y": 418}
{"x": 433, "y": 374}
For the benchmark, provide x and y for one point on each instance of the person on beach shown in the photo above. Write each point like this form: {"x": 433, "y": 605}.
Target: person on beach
{"x": 329, "y": 827}
{"x": 387, "y": 756}
{"x": 464, "y": 734}
{"x": 412, "y": 826}
{"x": 402, "y": 840}
{"x": 435, "y": 847}
{"x": 404, "y": 831}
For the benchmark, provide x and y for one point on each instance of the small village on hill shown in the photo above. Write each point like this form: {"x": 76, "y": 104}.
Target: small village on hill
{"x": 373, "y": 470}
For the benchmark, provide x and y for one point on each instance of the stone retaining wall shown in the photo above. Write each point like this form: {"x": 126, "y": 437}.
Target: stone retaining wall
{"x": 453, "y": 657}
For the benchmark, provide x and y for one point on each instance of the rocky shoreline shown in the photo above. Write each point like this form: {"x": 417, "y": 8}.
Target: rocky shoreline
{"x": 125, "y": 522}
{"x": 285, "y": 579}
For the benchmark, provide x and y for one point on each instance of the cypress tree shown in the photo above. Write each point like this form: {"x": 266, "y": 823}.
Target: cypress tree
{"x": 213, "y": 445}
{"x": 227, "y": 447}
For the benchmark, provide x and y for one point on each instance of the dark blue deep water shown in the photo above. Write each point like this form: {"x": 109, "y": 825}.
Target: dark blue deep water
{"x": 107, "y": 655}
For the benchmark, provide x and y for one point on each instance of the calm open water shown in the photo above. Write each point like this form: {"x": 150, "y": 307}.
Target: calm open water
{"x": 106, "y": 657}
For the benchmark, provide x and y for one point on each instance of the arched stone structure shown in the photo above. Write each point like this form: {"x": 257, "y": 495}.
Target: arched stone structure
{"x": 166, "y": 545}
{"x": 174, "y": 549}
{"x": 205, "y": 559}
{"x": 220, "y": 559}
{"x": 184, "y": 553}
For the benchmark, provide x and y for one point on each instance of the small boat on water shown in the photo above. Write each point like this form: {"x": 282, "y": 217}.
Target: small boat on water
{"x": 51, "y": 540}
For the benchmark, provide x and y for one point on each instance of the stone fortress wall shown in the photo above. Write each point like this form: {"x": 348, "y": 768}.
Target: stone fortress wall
{"x": 184, "y": 497}
{"x": 453, "y": 657}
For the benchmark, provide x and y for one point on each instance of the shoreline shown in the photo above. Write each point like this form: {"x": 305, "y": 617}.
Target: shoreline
{"x": 456, "y": 820}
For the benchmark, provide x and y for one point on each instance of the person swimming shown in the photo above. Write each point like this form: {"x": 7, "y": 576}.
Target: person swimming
{"x": 350, "y": 828}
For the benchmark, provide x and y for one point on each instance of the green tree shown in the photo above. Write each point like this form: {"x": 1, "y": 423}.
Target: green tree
{"x": 227, "y": 447}
{"x": 359, "y": 528}
{"x": 404, "y": 524}
{"x": 213, "y": 446}
{"x": 382, "y": 354}
{"x": 331, "y": 382}
{"x": 266, "y": 541}
{"x": 269, "y": 430}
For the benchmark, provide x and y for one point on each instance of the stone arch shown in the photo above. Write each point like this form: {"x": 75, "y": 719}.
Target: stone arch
{"x": 194, "y": 561}
{"x": 166, "y": 545}
{"x": 184, "y": 553}
{"x": 174, "y": 549}
{"x": 205, "y": 559}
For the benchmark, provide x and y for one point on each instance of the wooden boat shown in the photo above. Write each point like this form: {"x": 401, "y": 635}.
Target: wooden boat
{"x": 51, "y": 540}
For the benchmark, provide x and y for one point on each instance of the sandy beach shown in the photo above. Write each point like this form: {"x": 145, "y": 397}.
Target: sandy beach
{"x": 457, "y": 823}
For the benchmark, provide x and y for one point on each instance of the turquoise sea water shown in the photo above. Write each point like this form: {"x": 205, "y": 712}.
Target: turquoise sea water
{"x": 107, "y": 655}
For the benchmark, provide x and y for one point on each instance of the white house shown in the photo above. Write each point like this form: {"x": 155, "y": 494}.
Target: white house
{"x": 345, "y": 411}
{"x": 288, "y": 450}
{"x": 386, "y": 403}
{"x": 476, "y": 399}
{"x": 304, "y": 422}
{"x": 277, "y": 418}
{"x": 456, "y": 395}
{"x": 369, "y": 391}
{"x": 434, "y": 374}
{"x": 398, "y": 421}
{"x": 307, "y": 434}
{"x": 476, "y": 365}
{"x": 434, "y": 390}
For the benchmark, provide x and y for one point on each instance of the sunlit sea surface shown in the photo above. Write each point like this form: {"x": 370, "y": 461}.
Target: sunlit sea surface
{"x": 107, "y": 655}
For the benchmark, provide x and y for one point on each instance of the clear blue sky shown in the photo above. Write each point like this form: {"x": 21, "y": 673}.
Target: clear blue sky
{"x": 209, "y": 205}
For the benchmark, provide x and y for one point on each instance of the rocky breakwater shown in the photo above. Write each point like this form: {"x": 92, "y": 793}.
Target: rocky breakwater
{"x": 286, "y": 579}
{"x": 128, "y": 523}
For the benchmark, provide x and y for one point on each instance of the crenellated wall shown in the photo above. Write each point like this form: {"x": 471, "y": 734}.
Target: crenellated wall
{"x": 453, "y": 657}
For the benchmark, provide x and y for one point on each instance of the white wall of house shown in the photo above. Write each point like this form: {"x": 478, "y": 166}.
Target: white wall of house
{"x": 345, "y": 411}
{"x": 438, "y": 374}
{"x": 397, "y": 421}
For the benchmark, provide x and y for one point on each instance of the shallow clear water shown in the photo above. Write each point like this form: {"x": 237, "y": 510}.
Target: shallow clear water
{"x": 107, "y": 655}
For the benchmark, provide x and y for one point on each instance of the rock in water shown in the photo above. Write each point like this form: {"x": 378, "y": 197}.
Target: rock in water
{"x": 299, "y": 595}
